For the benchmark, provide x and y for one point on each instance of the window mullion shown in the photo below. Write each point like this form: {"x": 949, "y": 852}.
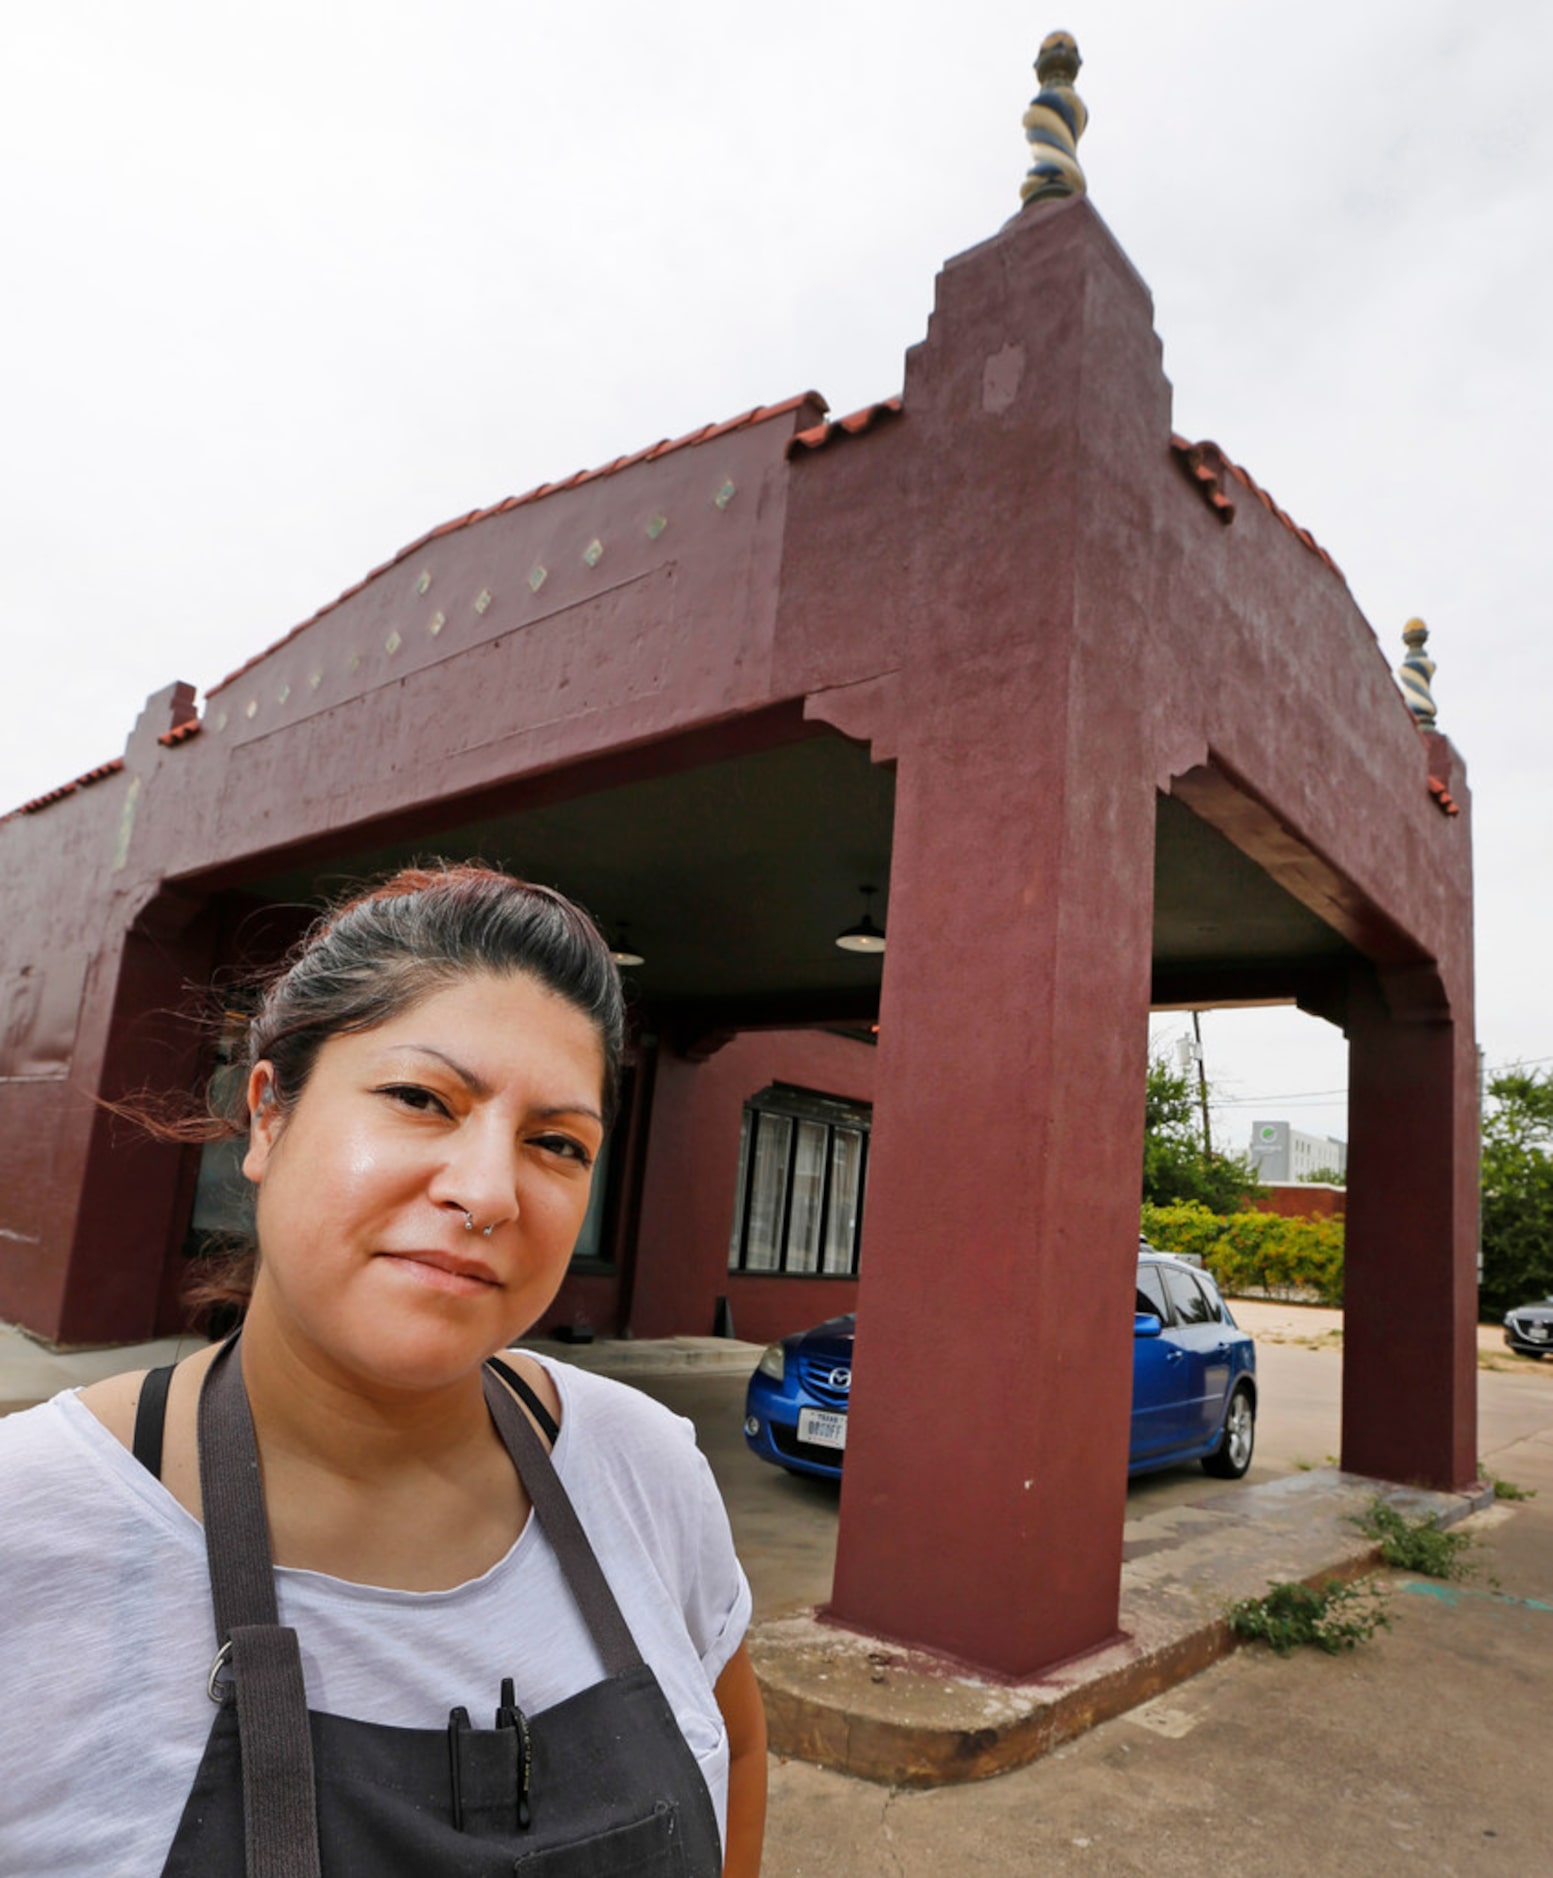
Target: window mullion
{"x": 825, "y": 1182}
{"x": 788, "y": 1182}
{"x": 862, "y": 1195}
{"x": 747, "y": 1198}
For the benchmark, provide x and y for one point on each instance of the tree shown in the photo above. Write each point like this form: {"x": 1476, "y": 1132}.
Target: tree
{"x": 1325, "y": 1177}
{"x": 1175, "y": 1164}
{"x": 1517, "y": 1190}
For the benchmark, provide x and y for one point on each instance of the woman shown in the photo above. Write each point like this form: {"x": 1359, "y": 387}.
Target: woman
{"x": 428, "y": 1086}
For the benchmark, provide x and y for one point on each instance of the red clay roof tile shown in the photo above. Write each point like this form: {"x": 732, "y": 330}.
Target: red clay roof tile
{"x": 1443, "y": 798}
{"x": 84, "y": 781}
{"x": 819, "y": 435}
{"x": 759, "y": 415}
{"x": 1208, "y": 467}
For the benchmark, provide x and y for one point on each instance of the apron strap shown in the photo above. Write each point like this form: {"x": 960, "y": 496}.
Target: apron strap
{"x": 579, "y": 1563}
{"x": 237, "y": 1533}
{"x": 280, "y": 1817}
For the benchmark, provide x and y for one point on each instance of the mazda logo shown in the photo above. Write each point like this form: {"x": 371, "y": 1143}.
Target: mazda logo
{"x": 841, "y": 1379}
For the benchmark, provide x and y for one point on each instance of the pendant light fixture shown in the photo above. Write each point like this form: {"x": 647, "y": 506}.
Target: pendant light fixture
{"x": 622, "y": 951}
{"x": 865, "y": 936}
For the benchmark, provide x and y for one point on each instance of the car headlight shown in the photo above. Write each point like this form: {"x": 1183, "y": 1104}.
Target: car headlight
{"x": 773, "y": 1363}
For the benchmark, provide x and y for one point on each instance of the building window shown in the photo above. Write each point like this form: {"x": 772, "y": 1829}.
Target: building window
{"x": 803, "y": 1163}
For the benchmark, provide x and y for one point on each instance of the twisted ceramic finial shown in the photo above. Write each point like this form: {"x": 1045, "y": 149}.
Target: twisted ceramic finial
{"x": 1054, "y": 123}
{"x": 1415, "y": 672}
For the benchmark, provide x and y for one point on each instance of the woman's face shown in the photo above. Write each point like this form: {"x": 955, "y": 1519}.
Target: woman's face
{"x": 481, "y": 1100}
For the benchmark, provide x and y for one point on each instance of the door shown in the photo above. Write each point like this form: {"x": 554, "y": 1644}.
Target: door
{"x": 1159, "y": 1370}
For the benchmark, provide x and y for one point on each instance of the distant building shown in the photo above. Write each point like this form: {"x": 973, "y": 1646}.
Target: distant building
{"x": 1282, "y": 1153}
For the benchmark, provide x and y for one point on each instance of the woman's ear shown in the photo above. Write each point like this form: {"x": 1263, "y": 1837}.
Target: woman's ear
{"x": 265, "y": 1121}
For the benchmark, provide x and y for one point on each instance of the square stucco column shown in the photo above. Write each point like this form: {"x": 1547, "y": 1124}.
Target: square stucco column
{"x": 984, "y": 1495}
{"x": 1410, "y": 1265}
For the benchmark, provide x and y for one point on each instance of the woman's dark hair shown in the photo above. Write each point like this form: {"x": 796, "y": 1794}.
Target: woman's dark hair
{"x": 375, "y": 955}
{"x": 416, "y": 934}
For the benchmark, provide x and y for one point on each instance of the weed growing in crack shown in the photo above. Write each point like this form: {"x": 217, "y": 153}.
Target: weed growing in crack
{"x": 1415, "y": 1545}
{"x": 1506, "y": 1489}
{"x": 1332, "y": 1616}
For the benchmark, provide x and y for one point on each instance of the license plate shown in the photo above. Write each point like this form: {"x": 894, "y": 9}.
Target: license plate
{"x": 823, "y": 1428}
{"x": 1538, "y": 1333}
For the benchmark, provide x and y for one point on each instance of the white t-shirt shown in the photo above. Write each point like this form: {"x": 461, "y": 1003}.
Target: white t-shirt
{"x": 106, "y": 1633}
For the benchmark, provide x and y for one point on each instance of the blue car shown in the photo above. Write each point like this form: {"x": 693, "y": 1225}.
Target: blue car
{"x": 1193, "y": 1383}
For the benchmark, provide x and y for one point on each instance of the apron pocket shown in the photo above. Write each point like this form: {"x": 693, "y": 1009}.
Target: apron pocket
{"x": 649, "y": 1848}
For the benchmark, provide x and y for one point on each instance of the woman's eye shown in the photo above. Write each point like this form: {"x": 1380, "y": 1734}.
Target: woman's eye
{"x": 411, "y": 1096}
{"x": 568, "y": 1149}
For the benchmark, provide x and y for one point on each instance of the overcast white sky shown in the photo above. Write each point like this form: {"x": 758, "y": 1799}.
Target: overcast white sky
{"x": 290, "y": 285}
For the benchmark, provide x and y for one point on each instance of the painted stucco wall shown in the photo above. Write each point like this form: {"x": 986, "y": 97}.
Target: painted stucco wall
{"x": 692, "y": 1169}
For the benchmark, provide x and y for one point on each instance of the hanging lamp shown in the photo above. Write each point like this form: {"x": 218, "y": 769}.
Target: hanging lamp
{"x": 865, "y": 936}
{"x": 622, "y": 951}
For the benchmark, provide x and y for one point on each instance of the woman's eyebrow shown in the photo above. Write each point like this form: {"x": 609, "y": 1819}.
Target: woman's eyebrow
{"x": 477, "y": 1085}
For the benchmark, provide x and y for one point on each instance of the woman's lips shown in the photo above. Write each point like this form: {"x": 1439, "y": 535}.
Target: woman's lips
{"x": 440, "y": 1271}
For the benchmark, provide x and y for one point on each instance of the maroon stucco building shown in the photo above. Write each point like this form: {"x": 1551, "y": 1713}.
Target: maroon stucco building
{"x": 1104, "y": 726}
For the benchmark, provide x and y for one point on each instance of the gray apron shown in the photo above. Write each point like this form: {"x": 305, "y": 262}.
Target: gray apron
{"x": 599, "y": 1786}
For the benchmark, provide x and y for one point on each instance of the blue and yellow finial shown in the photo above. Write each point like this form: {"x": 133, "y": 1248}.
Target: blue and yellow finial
{"x": 1054, "y": 123}
{"x": 1415, "y": 674}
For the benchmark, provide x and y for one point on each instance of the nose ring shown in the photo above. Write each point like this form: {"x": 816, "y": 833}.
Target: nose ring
{"x": 485, "y": 1231}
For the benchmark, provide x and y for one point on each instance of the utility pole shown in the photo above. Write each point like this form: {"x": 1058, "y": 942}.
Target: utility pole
{"x": 1188, "y": 1051}
{"x": 1202, "y": 1081}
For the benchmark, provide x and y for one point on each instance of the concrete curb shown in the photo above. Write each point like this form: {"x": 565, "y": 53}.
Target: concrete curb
{"x": 653, "y": 1356}
{"x": 878, "y": 1711}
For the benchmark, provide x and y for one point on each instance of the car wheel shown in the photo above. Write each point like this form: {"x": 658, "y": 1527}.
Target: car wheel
{"x": 1230, "y": 1459}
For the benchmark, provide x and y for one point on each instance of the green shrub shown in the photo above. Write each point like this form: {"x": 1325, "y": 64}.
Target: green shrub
{"x": 1183, "y": 1226}
{"x": 1331, "y": 1616}
{"x": 1253, "y": 1251}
